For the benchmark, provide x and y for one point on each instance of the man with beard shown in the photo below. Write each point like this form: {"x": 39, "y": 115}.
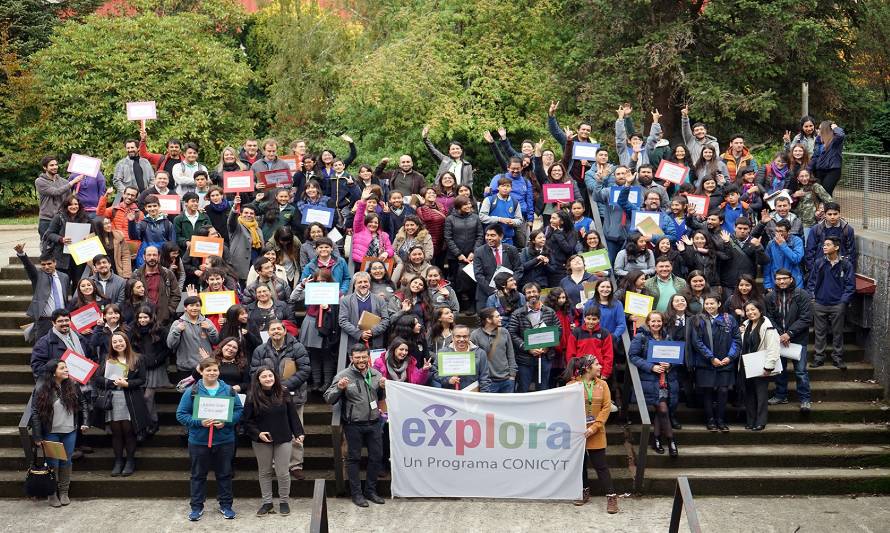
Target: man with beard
{"x": 461, "y": 343}
{"x": 651, "y": 204}
{"x": 532, "y": 315}
{"x": 119, "y": 214}
{"x": 133, "y": 170}
{"x": 250, "y": 152}
{"x": 696, "y": 137}
{"x": 406, "y": 180}
{"x": 791, "y": 312}
{"x": 51, "y": 191}
{"x": 645, "y": 177}
{"x": 165, "y": 161}
{"x": 161, "y": 285}
{"x": 112, "y": 285}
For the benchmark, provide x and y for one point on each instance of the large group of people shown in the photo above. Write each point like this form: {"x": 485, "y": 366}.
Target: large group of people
{"x": 409, "y": 256}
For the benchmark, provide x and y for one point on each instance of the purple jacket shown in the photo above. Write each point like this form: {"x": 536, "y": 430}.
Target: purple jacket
{"x": 89, "y": 191}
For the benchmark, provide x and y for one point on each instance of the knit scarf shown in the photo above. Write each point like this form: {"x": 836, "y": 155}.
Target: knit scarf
{"x": 221, "y": 207}
{"x": 397, "y": 373}
{"x": 256, "y": 240}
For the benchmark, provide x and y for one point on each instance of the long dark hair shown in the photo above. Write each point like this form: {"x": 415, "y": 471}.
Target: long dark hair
{"x": 240, "y": 359}
{"x": 257, "y": 395}
{"x": 577, "y": 366}
{"x": 80, "y": 216}
{"x": 79, "y": 298}
{"x": 129, "y": 295}
{"x": 631, "y": 248}
{"x": 105, "y": 237}
{"x": 437, "y": 328}
{"x": 553, "y": 299}
{"x": 47, "y": 392}
{"x": 736, "y": 300}
{"x": 153, "y": 333}
{"x": 404, "y": 328}
{"x": 232, "y": 327}
{"x": 167, "y": 250}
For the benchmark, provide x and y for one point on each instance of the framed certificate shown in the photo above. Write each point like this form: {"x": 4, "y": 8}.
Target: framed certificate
{"x": 216, "y": 303}
{"x": 666, "y": 352}
{"x": 671, "y": 172}
{"x": 85, "y": 317}
{"x": 700, "y": 202}
{"x": 322, "y": 215}
{"x": 86, "y": 165}
{"x": 637, "y": 304}
{"x": 456, "y": 363}
{"x": 205, "y": 246}
{"x": 276, "y": 178}
{"x": 559, "y": 193}
{"x": 142, "y": 110}
{"x": 545, "y": 337}
{"x": 80, "y": 368}
{"x": 238, "y": 181}
{"x": 169, "y": 204}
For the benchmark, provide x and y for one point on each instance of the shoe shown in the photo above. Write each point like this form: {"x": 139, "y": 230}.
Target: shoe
{"x": 53, "y": 500}
{"x": 284, "y": 508}
{"x": 77, "y": 455}
{"x": 360, "y": 500}
{"x": 711, "y": 425}
{"x": 839, "y": 363}
{"x": 64, "y": 473}
{"x": 374, "y": 498}
{"x": 817, "y": 363}
{"x": 227, "y": 513}
{"x": 129, "y": 467}
{"x": 674, "y": 422}
{"x": 805, "y": 407}
{"x": 152, "y": 428}
{"x": 775, "y": 400}
{"x": 118, "y": 466}
{"x": 297, "y": 474}
{"x": 721, "y": 425}
{"x": 758, "y": 428}
{"x": 657, "y": 446}
{"x": 196, "y": 515}
{"x": 611, "y": 503}
{"x": 672, "y": 448}
{"x": 585, "y": 497}
{"x": 266, "y": 508}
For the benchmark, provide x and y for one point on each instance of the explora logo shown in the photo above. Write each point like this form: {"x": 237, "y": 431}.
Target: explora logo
{"x": 467, "y": 433}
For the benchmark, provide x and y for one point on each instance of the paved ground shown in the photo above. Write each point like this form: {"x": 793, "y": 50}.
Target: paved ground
{"x": 12, "y": 235}
{"x": 761, "y": 515}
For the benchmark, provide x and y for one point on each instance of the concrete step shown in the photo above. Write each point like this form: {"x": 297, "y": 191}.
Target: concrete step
{"x": 865, "y": 412}
{"x": 770, "y": 481}
{"x": 13, "y": 338}
{"x": 18, "y": 303}
{"x": 781, "y": 433}
{"x": 14, "y": 271}
{"x": 856, "y": 371}
{"x": 13, "y": 319}
{"x": 16, "y": 286}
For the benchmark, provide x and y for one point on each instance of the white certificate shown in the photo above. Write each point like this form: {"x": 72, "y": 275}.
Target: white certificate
{"x": 792, "y": 351}
{"x": 584, "y": 151}
{"x": 81, "y": 319}
{"x": 456, "y": 364}
{"x": 243, "y": 398}
{"x": 671, "y": 172}
{"x": 754, "y": 362}
{"x": 77, "y": 232}
{"x": 79, "y": 367}
{"x": 699, "y": 203}
{"x": 206, "y": 247}
{"x": 169, "y": 204}
{"x": 114, "y": 370}
{"x": 83, "y": 164}
{"x": 213, "y": 408}
{"x": 641, "y": 216}
{"x": 496, "y": 272}
{"x": 216, "y": 303}
{"x": 468, "y": 270}
{"x": 335, "y": 235}
{"x": 237, "y": 181}
{"x": 142, "y": 110}
{"x": 321, "y": 216}
{"x": 546, "y": 337}
{"x": 318, "y": 293}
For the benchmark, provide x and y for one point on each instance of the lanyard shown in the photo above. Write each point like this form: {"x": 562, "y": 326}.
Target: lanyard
{"x": 368, "y": 380}
{"x": 589, "y": 388}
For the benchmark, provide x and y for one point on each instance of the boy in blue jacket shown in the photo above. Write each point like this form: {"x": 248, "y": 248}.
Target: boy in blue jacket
{"x": 219, "y": 454}
{"x": 832, "y": 284}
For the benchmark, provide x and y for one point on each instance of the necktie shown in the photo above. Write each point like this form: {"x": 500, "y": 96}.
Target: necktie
{"x": 497, "y": 256}
{"x": 57, "y": 296}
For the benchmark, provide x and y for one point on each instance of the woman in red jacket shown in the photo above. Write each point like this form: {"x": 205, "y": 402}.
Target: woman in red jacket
{"x": 591, "y": 339}
{"x": 569, "y": 317}
{"x": 433, "y": 215}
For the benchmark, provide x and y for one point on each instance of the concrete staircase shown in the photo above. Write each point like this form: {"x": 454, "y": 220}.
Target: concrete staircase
{"x": 843, "y": 446}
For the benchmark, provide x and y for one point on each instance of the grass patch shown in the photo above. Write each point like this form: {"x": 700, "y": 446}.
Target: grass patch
{"x": 11, "y": 221}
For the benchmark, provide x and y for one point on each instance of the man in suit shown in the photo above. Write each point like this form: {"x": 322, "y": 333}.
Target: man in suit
{"x": 351, "y": 307}
{"x": 50, "y": 290}
{"x": 491, "y": 256}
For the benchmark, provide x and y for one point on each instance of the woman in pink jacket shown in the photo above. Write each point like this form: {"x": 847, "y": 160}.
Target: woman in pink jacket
{"x": 367, "y": 239}
{"x": 397, "y": 366}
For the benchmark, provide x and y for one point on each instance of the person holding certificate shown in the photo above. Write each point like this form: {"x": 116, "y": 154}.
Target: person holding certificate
{"x": 150, "y": 341}
{"x": 562, "y": 243}
{"x": 587, "y": 370}
{"x": 121, "y": 403}
{"x": 532, "y": 315}
{"x": 716, "y": 344}
{"x": 319, "y": 332}
{"x": 661, "y": 387}
{"x": 70, "y": 217}
{"x": 367, "y": 238}
{"x": 58, "y": 409}
{"x": 758, "y": 335}
{"x": 153, "y": 230}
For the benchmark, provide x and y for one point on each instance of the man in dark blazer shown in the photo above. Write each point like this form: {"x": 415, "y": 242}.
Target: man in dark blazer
{"x": 491, "y": 256}
{"x": 50, "y": 290}
{"x": 56, "y": 341}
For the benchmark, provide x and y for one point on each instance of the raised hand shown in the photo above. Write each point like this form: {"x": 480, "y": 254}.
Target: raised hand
{"x": 425, "y": 132}
{"x": 620, "y": 112}
{"x": 346, "y": 138}
{"x": 554, "y": 104}
{"x": 655, "y": 116}
{"x": 487, "y": 136}
{"x": 787, "y": 136}
{"x": 19, "y": 248}
{"x": 685, "y": 110}
{"x": 503, "y": 133}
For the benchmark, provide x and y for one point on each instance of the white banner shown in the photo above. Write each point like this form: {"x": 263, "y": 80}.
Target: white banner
{"x": 457, "y": 444}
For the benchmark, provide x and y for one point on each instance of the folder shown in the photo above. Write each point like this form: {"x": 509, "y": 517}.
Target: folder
{"x": 368, "y": 320}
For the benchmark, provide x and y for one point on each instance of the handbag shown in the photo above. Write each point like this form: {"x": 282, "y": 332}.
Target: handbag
{"x": 103, "y": 400}
{"x": 40, "y": 480}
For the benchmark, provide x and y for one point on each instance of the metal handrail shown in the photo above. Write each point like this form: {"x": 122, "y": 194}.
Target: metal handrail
{"x": 318, "y": 522}
{"x": 638, "y": 469}
{"x": 25, "y": 434}
{"x": 683, "y": 501}
{"x": 336, "y": 411}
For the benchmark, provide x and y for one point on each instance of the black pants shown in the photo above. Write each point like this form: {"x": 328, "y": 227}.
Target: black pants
{"x": 597, "y": 458}
{"x": 358, "y": 435}
{"x": 828, "y": 178}
{"x": 756, "y": 396}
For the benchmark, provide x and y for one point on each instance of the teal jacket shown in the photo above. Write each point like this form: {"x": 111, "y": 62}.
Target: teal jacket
{"x": 197, "y": 433}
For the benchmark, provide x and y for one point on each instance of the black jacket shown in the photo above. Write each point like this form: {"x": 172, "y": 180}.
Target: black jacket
{"x": 519, "y": 322}
{"x": 280, "y": 421}
{"x": 266, "y": 355}
{"x": 463, "y": 234}
{"x": 39, "y": 430}
{"x": 134, "y": 393}
{"x": 50, "y": 347}
{"x": 791, "y": 312}
{"x": 743, "y": 258}
{"x": 484, "y": 265}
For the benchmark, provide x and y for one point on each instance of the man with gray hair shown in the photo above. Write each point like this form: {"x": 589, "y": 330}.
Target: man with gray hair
{"x": 362, "y": 302}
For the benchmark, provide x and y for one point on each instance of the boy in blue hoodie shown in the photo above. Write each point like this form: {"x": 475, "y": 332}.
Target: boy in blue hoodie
{"x": 219, "y": 454}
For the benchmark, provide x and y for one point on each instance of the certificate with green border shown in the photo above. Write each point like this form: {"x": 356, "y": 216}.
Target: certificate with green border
{"x": 219, "y": 408}
{"x": 535, "y": 338}
{"x": 456, "y": 363}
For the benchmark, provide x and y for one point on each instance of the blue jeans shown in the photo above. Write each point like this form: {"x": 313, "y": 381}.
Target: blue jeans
{"x": 42, "y": 226}
{"x": 800, "y": 374}
{"x": 67, "y": 440}
{"x": 614, "y": 247}
{"x": 504, "y": 386}
{"x": 528, "y": 374}
{"x": 219, "y": 458}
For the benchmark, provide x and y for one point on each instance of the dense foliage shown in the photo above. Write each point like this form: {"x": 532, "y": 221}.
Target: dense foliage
{"x": 381, "y": 70}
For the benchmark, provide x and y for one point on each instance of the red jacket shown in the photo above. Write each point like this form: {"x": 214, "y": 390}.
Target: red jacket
{"x": 434, "y": 220}
{"x": 157, "y": 160}
{"x": 118, "y": 217}
{"x": 597, "y": 343}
